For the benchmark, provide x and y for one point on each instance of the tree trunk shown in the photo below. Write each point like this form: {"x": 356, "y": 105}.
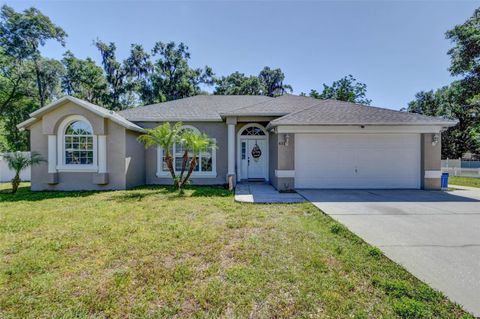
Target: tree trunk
{"x": 184, "y": 165}
{"x": 15, "y": 183}
{"x": 169, "y": 162}
{"x": 193, "y": 163}
{"x": 39, "y": 84}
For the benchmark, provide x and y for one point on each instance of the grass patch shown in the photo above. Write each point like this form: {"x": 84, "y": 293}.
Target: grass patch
{"x": 464, "y": 181}
{"x": 152, "y": 252}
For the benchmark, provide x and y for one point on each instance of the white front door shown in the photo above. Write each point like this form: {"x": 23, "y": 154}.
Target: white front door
{"x": 254, "y": 155}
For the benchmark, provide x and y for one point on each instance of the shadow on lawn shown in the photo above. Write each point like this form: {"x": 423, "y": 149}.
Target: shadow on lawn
{"x": 136, "y": 194}
{"x": 25, "y": 194}
{"x": 169, "y": 193}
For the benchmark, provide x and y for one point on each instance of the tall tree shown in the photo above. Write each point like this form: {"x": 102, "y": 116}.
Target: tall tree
{"x": 140, "y": 67}
{"x": 269, "y": 82}
{"x": 117, "y": 77}
{"x": 272, "y": 80}
{"x": 450, "y": 102}
{"x": 49, "y": 73}
{"x": 346, "y": 89}
{"x": 172, "y": 77}
{"x": 461, "y": 99}
{"x": 22, "y": 35}
{"x": 83, "y": 79}
{"x": 15, "y": 81}
{"x": 17, "y": 100}
{"x": 239, "y": 84}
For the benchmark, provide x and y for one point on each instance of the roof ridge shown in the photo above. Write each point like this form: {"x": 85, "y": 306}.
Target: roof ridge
{"x": 254, "y": 104}
{"x": 302, "y": 110}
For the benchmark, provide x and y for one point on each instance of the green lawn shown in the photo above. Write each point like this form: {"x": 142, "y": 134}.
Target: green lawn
{"x": 464, "y": 181}
{"x": 154, "y": 253}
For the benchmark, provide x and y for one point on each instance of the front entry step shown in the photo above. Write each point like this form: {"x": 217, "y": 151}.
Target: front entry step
{"x": 264, "y": 193}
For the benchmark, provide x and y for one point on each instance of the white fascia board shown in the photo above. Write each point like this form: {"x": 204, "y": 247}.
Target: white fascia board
{"x": 357, "y": 129}
{"x": 26, "y": 123}
{"x": 140, "y": 119}
{"x": 104, "y": 113}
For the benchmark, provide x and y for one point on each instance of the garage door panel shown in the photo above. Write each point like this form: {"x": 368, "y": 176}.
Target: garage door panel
{"x": 357, "y": 161}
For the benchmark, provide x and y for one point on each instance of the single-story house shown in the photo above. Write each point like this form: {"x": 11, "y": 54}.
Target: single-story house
{"x": 289, "y": 141}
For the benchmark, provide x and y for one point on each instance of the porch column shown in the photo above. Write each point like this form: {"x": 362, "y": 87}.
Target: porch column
{"x": 231, "y": 122}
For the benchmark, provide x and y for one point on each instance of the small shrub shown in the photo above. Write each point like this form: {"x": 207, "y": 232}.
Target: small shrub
{"x": 337, "y": 228}
{"x": 375, "y": 252}
{"x": 397, "y": 288}
{"x": 426, "y": 293}
{"x": 410, "y": 308}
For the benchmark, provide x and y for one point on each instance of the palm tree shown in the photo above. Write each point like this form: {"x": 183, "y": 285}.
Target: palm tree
{"x": 194, "y": 143}
{"x": 165, "y": 136}
{"x": 17, "y": 161}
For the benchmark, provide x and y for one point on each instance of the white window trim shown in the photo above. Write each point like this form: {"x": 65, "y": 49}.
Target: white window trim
{"x": 212, "y": 174}
{"x": 61, "y": 166}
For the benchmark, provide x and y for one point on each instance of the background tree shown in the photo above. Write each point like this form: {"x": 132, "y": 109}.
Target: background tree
{"x": 450, "y": 102}
{"x": 346, "y": 89}
{"x": 172, "y": 78}
{"x": 272, "y": 80}
{"x": 461, "y": 99}
{"x": 22, "y": 35}
{"x": 269, "y": 82}
{"x": 238, "y": 84}
{"x": 83, "y": 79}
{"x": 117, "y": 76}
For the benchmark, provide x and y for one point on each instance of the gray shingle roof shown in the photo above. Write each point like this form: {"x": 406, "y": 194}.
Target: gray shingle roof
{"x": 195, "y": 108}
{"x": 292, "y": 110}
{"x": 279, "y": 106}
{"x": 333, "y": 112}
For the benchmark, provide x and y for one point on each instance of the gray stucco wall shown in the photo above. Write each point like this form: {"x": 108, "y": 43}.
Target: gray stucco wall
{"x": 134, "y": 161}
{"x": 273, "y": 158}
{"x": 217, "y": 130}
{"x": 431, "y": 161}
{"x": 115, "y": 135}
{"x": 52, "y": 119}
{"x": 282, "y": 157}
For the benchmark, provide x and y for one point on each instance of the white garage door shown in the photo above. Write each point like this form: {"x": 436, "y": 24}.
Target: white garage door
{"x": 357, "y": 160}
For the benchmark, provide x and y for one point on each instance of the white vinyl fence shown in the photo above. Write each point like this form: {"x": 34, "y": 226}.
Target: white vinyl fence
{"x": 7, "y": 174}
{"x": 458, "y": 167}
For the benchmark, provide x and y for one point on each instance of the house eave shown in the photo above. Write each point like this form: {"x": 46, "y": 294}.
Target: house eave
{"x": 358, "y": 128}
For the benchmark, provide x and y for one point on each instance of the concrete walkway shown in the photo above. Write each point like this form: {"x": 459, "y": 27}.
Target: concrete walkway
{"x": 260, "y": 192}
{"x": 434, "y": 235}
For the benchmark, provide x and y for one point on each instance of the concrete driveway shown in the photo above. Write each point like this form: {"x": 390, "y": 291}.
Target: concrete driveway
{"x": 435, "y": 235}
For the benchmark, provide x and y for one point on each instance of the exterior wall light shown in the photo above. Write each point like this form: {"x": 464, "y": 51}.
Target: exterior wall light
{"x": 286, "y": 139}
{"x": 435, "y": 139}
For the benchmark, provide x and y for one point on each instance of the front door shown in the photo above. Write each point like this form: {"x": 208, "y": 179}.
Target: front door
{"x": 256, "y": 158}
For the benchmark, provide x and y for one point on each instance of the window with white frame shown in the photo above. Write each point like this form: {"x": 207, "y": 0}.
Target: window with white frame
{"x": 206, "y": 160}
{"x": 77, "y": 145}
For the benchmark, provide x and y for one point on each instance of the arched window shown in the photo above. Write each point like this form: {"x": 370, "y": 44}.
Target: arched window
{"x": 206, "y": 161}
{"x": 253, "y": 131}
{"x": 78, "y": 143}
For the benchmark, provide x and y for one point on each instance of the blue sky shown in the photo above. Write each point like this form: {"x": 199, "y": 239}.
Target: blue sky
{"x": 396, "y": 48}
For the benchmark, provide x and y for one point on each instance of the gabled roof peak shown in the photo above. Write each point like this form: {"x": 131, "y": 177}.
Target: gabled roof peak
{"x": 100, "y": 111}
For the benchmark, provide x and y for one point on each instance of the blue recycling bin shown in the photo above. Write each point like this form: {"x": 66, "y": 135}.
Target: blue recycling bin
{"x": 444, "y": 181}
